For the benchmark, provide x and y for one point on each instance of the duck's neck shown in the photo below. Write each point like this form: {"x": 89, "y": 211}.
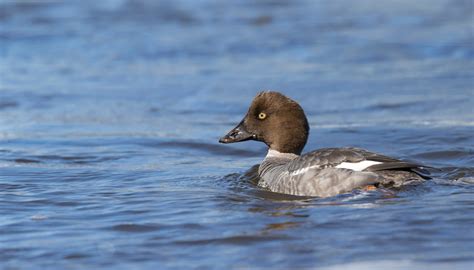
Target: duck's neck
{"x": 274, "y": 160}
{"x": 276, "y": 154}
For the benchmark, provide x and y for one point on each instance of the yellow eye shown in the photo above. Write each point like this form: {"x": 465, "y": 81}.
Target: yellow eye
{"x": 262, "y": 115}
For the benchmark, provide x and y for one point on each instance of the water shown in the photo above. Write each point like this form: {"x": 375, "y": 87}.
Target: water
{"x": 110, "y": 113}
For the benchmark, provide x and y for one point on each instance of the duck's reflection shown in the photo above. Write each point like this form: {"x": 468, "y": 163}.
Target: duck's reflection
{"x": 280, "y": 226}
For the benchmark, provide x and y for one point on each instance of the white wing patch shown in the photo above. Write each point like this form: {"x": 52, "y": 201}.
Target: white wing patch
{"x": 357, "y": 166}
{"x": 303, "y": 170}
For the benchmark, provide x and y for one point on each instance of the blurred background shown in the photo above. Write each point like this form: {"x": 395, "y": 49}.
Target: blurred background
{"x": 110, "y": 113}
{"x": 78, "y": 62}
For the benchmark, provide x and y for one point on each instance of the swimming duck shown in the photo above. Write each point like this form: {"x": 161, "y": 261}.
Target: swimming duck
{"x": 281, "y": 124}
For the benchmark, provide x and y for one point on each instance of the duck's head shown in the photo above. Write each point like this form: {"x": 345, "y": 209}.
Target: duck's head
{"x": 275, "y": 120}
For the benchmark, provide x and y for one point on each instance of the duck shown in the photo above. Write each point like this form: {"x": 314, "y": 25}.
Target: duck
{"x": 281, "y": 124}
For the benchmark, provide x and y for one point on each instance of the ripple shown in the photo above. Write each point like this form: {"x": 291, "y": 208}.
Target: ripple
{"x": 455, "y": 174}
{"x": 26, "y": 160}
{"x": 39, "y": 217}
{"x": 446, "y": 154}
{"x": 8, "y": 104}
{"x": 234, "y": 240}
{"x": 135, "y": 228}
{"x": 394, "y": 105}
{"x": 75, "y": 256}
{"x": 214, "y": 149}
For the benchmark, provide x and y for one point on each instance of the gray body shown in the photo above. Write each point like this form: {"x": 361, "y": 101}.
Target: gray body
{"x": 315, "y": 174}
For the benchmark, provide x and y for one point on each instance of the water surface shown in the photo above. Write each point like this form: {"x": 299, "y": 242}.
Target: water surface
{"x": 110, "y": 112}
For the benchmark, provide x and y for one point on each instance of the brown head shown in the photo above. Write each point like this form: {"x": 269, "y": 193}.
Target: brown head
{"x": 275, "y": 120}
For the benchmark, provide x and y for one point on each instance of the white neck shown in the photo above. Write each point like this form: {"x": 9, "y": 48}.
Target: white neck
{"x": 275, "y": 154}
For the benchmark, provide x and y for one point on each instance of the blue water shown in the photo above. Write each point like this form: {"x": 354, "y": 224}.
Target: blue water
{"x": 110, "y": 112}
